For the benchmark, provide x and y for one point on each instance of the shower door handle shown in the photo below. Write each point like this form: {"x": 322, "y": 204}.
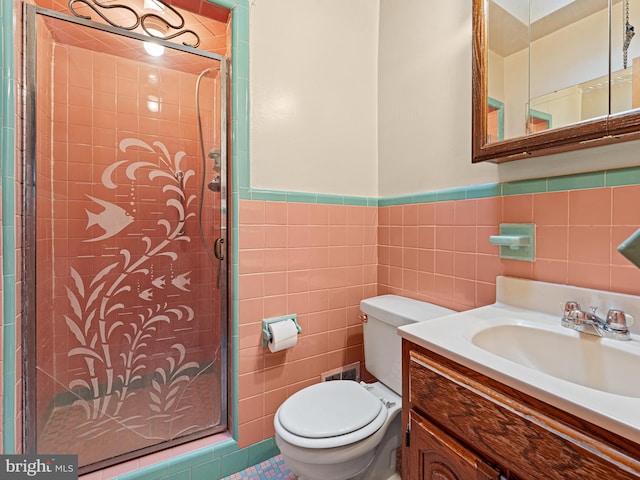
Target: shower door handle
{"x": 217, "y": 248}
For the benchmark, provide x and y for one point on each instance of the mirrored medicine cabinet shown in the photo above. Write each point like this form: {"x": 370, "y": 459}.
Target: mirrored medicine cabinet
{"x": 554, "y": 75}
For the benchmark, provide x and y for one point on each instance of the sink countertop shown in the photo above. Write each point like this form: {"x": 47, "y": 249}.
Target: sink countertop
{"x": 526, "y": 302}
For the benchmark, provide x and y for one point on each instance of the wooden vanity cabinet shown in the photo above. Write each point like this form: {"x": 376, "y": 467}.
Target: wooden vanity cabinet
{"x": 463, "y": 425}
{"x": 439, "y": 456}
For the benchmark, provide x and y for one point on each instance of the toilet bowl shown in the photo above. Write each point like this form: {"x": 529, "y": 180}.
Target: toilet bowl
{"x": 342, "y": 429}
{"x": 340, "y": 441}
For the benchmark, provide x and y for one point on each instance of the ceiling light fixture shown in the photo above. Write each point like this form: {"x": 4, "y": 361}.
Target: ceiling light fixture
{"x": 154, "y": 49}
{"x": 154, "y": 29}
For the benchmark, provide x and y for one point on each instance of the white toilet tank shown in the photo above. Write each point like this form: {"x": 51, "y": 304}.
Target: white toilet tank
{"x": 382, "y": 345}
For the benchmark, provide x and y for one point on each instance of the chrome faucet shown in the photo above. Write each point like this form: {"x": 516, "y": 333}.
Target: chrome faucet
{"x": 615, "y": 326}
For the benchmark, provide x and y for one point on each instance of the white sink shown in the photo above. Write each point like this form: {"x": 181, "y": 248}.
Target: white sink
{"x": 520, "y": 342}
{"x": 581, "y": 359}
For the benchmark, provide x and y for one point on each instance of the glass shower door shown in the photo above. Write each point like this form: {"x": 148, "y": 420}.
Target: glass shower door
{"x": 125, "y": 304}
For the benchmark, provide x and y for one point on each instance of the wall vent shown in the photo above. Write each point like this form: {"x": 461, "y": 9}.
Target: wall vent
{"x": 347, "y": 372}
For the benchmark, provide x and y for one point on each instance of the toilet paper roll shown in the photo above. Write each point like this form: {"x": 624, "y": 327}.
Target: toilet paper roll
{"x": 283, "y": 335}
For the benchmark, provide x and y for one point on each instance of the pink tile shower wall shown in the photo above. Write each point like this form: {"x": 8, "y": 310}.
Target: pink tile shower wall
{"x": 109, "y": 229}
{"x": 46, "y": 264}
{"x": 440, "y": 252}
{"x": 318, "y": 261}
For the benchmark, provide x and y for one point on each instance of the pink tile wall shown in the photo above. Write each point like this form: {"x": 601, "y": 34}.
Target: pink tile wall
{"x": 440, "y": 252}
{"x": 94, "y": 109}
{"x": 318, "y": 261}
{"x": 435, "y": 252}
{"x": 578, "y": 235}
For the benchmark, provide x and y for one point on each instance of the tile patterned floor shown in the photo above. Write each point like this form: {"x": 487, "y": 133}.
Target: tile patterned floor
{"x": 272, "y": 469}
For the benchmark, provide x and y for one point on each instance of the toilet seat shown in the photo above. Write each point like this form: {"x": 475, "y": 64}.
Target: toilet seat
{"x": 330, "y": 414}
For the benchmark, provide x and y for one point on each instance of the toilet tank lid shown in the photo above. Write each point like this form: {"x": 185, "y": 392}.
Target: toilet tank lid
{"x": 397, "y": 310}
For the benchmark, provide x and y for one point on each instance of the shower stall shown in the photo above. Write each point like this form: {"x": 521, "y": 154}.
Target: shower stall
{"x": 125, "y": 275}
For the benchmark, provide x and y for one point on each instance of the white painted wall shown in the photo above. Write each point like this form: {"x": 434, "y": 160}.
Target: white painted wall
{"x": 313, "y": 90}
{"x": 516, "y": 96}
{"x": 495, "y": 82}
{"x": 424, "y": 97}
{"x": 570, "y": 56}
{"x": 425, "y": 89}
{"x": 565, "y": 58}
{"x": 339, "y": 107}
{"x": 565, "y": 107}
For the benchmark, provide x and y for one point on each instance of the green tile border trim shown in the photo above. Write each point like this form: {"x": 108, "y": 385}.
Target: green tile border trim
{"x": 578, "y": 181}
{"x": 7, "y": 151}
{"x": 304, "y": 197}
{"x": 216, "y": 461}
{"x": 239, "y": 177}
{"x": 622, "y": 177}
{"x": 536, "y": 185}
{"x": 459, "y": 193}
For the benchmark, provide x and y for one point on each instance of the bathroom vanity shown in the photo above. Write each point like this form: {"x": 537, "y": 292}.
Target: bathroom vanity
{"x": 472, "y": 413}
{"x": 464, "y": 425}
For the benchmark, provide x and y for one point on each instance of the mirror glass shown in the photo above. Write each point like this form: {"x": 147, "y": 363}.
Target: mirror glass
{"x": 548, "y": 63}
{"x": 553, "y": 76}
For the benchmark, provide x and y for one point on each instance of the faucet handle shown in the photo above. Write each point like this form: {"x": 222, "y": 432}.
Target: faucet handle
{"x": 572, "y": 315}
{"x": 618, "y": 320}
{"x": 570, "y": 306}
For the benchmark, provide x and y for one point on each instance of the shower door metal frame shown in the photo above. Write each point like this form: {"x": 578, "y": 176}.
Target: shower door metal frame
{"x": 29, "y": 295}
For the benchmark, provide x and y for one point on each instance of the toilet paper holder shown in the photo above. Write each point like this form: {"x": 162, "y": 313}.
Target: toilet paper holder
{"x": 266, "y": 334}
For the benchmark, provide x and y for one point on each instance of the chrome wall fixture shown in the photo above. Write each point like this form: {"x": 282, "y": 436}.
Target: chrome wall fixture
{"x": 148, "y": 21}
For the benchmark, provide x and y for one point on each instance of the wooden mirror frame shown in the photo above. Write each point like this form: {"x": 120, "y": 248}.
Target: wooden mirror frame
{"x": 589, "y": 133}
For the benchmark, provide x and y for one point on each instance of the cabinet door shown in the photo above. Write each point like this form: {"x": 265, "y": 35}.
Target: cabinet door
{"x": 434, "y": 455}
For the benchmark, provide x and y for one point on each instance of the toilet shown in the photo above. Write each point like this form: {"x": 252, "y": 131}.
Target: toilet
{"x": 342, "y": 429}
